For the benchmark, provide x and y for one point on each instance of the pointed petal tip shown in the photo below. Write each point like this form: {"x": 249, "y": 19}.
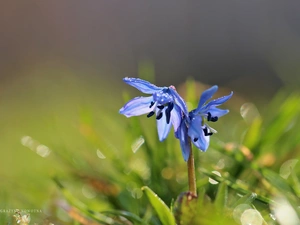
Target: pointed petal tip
{"x": 185, "y": 150}
{"x": 203, "y": 150}
{"x": 129, "y": 79}
{"x": 227, "y": 97}
{"x": 202, "y": 146}
{"x": 136, "y": 106}
{"x": 186, "y": 157}
{"x": 161, "y": 139}
{"x": 205, "y": 96}
{"x": 162, "y": 135}
{"x": 122, "y": 112}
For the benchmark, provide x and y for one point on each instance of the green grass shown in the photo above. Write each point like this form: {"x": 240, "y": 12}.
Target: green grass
{"x": 92, "y": 175}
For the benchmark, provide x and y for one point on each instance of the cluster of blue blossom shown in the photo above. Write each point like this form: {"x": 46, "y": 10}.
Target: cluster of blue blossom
{"x": 170, "y": 109}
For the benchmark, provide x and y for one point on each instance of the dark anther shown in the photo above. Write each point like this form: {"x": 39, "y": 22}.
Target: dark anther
{"x": 150, "y": 114}
{"x": 214, "y": 119}
{"x": 159, "y": 116}
{"x": 170, "y": 106}
{"x": 211, "y": 118}
{"x": 151, "y": 104}
{"x": 208, "y": 116}
{"x": 168, "y": 112}
{"x": 168, "y": 115}
{"x": 160, "y": 106}
{"x": 195, "y": 139}
{"x": 206, "y": 132}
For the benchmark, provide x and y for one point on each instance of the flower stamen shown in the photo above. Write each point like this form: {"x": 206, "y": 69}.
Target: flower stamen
{"x": 159, "y": 116}
{"x": 150, "y": 114}
{"x": 206, "y": 133}
{"x": 168, "y": 112}
{"x": 151, "y": 104}
{"x": 211, "y": 118}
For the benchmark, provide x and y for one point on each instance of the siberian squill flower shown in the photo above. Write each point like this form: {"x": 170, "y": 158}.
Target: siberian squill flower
{"x": 193, "y": 128}
{"x": 164, "y": 102}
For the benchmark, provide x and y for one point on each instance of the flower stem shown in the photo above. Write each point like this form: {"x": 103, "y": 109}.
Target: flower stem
{"x": 191, "y": 171}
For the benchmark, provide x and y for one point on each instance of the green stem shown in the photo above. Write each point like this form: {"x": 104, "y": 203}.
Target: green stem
{"x": 191, "y": 171}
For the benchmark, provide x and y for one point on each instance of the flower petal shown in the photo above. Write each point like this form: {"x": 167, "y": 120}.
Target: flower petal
{"x": 137, "y": 106}
{"x": 203, "y": 141}
{"x": 163, "y": 128}
{"x": 195, "y": 129}
{"x": 215, "y": 112}
{"x": 181, "y": 134}
{"x": 218, "y": 101}
{"x": 142, "y": 85}
{"x": 176, "y": 117}
{"x": 196, "y": 133}
{"x": 179, "y": 101}
{"x": 207, "y": 94}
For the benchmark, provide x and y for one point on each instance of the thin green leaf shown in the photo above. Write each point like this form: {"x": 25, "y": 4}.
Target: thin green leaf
{"x": 165, "y": 215}
{"x": 222, "y": 196}
{"x": 246, "y": 199}
{"x": 277, "y": 181}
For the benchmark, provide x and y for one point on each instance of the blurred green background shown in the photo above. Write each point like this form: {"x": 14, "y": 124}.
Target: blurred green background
{"x": 61, "y": 87}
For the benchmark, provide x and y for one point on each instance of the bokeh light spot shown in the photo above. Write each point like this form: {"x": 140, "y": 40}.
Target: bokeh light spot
{"x": 43, "y": 150}
{"x": 212, "y": 181}
{"x": 251, "y": 217}
{"x": 88, "y": 192}
{"x": 284, "y": 212}
{"x": 137, "y": 193}
{"x": 249, "y": 112}
{"x": 238, "y": 212}
{"x": 137, "y": 144}
{"x": 287, "y": 168}
{"x": 100, "y": 154}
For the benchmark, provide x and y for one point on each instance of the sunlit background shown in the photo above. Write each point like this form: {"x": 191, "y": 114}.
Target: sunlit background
{"x": 61, "y": 70}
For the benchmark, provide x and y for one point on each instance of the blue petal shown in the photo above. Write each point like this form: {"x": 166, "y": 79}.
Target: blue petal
{"x": 179, "y": 101}
{"x": 217, "y": 112}
{"x": 203, "y": 141}
{"x": 163, "y": 128}
{"x": 176, "y": 117}
{"x": 207, "y": 94}
{"x": 218, "y": 101}
{"x": 137, "y": 106}
{"x": 142, "y": 85}
{"x": 195, "y": 131}
{"x": 181, "y": 134}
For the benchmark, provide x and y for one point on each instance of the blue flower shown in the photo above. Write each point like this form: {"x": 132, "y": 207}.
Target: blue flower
{"x": 164, "y": 102}
{"x": 194, "y": 127}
